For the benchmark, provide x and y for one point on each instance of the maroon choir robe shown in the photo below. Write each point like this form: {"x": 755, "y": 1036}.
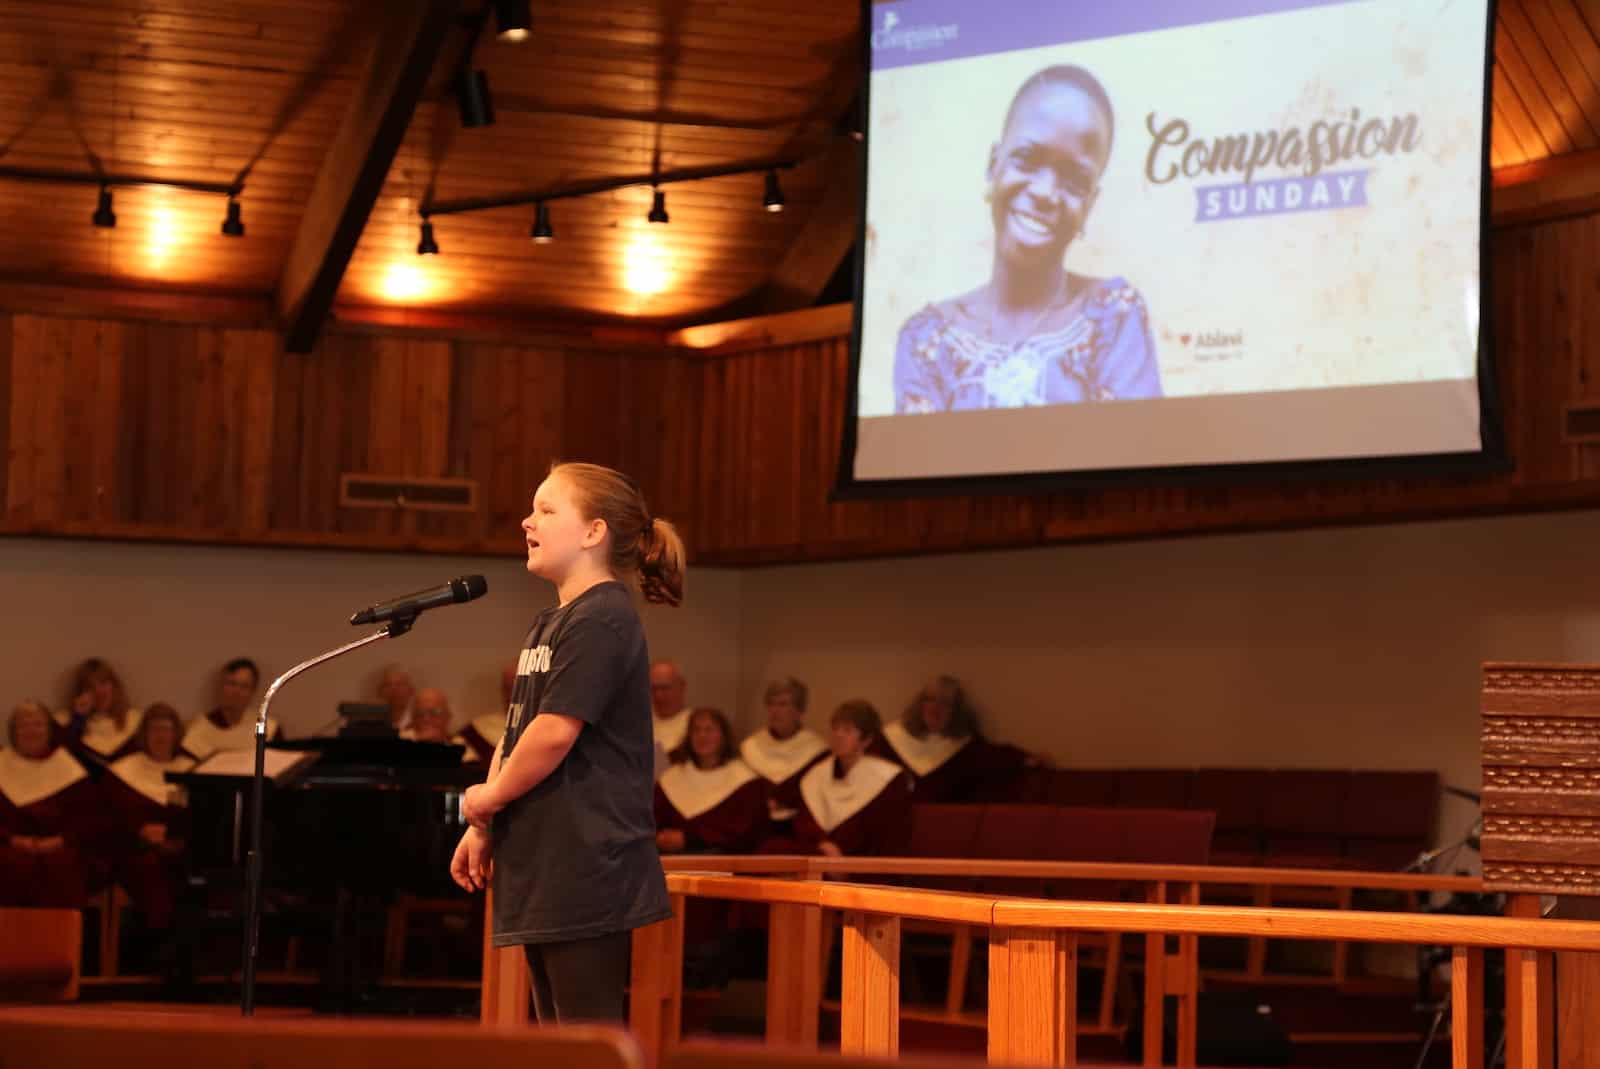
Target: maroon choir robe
{"x": 213, "y": 734}
{"x": 865, "y": 812}
{"x": 781, "y": 763}
{"x": 137, "y": 794}
{"x": 481, "y": 735}
{"x": 722, "y": 810}
{"x": 96, "y": 740}
{"x": 43, "y": 799}
{"x": 944, "y": 769}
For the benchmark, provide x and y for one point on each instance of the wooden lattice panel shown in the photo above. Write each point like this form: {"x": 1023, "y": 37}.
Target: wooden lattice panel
{"x": 1541, "y": 778}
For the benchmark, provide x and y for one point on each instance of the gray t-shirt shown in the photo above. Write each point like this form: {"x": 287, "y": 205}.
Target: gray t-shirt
{"x": 576, "y": 857}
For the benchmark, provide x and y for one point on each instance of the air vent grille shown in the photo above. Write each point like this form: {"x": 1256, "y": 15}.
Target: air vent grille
{"x": 397, "y": 492}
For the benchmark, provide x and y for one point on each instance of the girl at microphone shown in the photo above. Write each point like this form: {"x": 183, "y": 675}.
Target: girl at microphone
{"x": 563, "y": 826}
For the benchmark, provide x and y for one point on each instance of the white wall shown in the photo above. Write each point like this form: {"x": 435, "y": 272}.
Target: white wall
{"x": 1341, "y": 648}
{"x": 167, "y": 616}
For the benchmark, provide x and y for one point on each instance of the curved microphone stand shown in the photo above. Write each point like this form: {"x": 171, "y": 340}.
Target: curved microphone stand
{"x": 396, "y": 627}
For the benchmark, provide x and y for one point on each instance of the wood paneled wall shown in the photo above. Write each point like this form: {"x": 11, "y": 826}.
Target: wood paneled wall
{"x": 137, "y": 429}
{"x": 770, "y": 432}
{"x": 149, "y": 430}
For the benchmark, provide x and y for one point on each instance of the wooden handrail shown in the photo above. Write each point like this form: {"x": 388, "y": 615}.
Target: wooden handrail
{"x": 817, "y": 867}
{"x": 740, "y": 864}
{"x": 1317, "y": 924}
{"x": 1003, "y": 912}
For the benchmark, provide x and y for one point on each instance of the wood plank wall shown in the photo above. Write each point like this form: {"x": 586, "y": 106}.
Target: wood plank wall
{"x": 149, "y": 430}
{"x": 134, "y": 429}
{"x": 770, "y": 428}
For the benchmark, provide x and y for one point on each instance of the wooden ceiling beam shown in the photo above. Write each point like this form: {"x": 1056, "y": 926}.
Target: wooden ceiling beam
{"x": 410, "y": 37}
{"x": 822, "y": 244}
{"x": 1550, "y": 188}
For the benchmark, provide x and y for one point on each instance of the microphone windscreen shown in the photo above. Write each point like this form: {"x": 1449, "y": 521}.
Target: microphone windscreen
{"x": 476, "y": 586}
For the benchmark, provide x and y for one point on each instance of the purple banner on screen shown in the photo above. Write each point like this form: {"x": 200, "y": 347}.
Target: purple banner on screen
{"x": 913, "y": 32}
{"x": 1280, "y": 196}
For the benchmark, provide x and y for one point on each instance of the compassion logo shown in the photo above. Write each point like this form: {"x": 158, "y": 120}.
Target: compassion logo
{"x": 891, "y": 35}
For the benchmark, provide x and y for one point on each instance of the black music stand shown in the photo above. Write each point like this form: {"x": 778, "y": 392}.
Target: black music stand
{"x": 396, "y": 627}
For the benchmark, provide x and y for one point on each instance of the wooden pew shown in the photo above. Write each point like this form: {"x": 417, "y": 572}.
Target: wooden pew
{"x": 39, "y": 954}
{"x": 60, "y": 1037}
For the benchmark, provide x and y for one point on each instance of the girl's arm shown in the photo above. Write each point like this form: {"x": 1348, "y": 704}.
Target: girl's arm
{"x": 542, "y": 747}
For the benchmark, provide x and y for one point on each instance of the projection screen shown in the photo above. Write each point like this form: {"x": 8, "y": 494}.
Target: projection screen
{"x": 1168, "y": 234}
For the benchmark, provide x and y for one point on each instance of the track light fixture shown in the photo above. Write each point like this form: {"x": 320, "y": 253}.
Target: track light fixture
{"x": 542, "y": 234}
{"x": 233, "y": 225}
{"x": 658, "y": 207}
{"x": 427, "y": 246}
{"x": 513, "y": 19}
{"x": 103, "y": 215}
{"x": 773, "y": 201}
{"x": 473, "y": 99}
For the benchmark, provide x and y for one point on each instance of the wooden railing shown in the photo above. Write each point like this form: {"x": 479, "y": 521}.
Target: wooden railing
{"x": 1033, "y": 945}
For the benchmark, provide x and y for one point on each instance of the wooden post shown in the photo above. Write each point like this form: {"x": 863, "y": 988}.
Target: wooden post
{"x": 1578, "y": 1012}
{"x": 1466, "y": 1008}
{"x": 1155, "y": 987}
{"x": 955, "y": 992}
{"x": 504, "y": 997}
{"x": 1033, "y": 997}
{"x": 655, "y": 998}
{"x": 794, "y": 974}
{"x": 869, "y": 1019}
{"x": 1183, "y": 980}
{"x": 1530, "y": 1014}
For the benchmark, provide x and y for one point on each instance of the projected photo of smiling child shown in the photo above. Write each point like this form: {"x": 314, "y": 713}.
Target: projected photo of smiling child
{"x": 1035, "y": 333}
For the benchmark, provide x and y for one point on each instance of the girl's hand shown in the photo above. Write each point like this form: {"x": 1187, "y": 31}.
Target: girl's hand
{"x": 478, "y": 805}
{"x": 50, "y": 845}
{"x": 26, "y": 843}
{"x": 829, "y": 849}
{"x": 1038, "y": 760}
{"x": 154, "y": 834}
{"x": 473, "y": 863}
{"x": 671, "y": 840}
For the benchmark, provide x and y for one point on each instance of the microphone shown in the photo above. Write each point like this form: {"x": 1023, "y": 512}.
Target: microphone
{"x": 466, "y": 588}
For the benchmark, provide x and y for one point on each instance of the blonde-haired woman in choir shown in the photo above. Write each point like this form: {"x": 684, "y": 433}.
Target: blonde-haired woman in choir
{"x": 99, "y": 724}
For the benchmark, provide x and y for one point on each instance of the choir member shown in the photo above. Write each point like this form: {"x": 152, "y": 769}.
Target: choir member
{"x": 149, "y": 817}
{"x": 98, "y": 724}
{"x": 669, "y": 711}
{"x": 483, "y": 733}
{"x": 430, "y": 717}
{"x": 708, "y": 800}
{"x": 853, "y": 804}
{"x": 784, "y": 750}
{"x": 396, "y": 690}
{"x": 938, "y": 742}
{"x": 232, "y": 724}
{"x": 51, "y": 816}
{"x": 670, "y": 718}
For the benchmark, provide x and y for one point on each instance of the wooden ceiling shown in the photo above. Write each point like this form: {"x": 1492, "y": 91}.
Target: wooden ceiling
{"x": 262, "y": 93}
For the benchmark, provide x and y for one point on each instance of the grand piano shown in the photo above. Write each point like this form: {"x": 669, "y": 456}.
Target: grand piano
{"x": 350, "y": 822}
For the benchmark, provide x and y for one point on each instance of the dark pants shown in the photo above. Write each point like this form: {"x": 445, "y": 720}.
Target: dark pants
{"x": 580, "y": 980}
